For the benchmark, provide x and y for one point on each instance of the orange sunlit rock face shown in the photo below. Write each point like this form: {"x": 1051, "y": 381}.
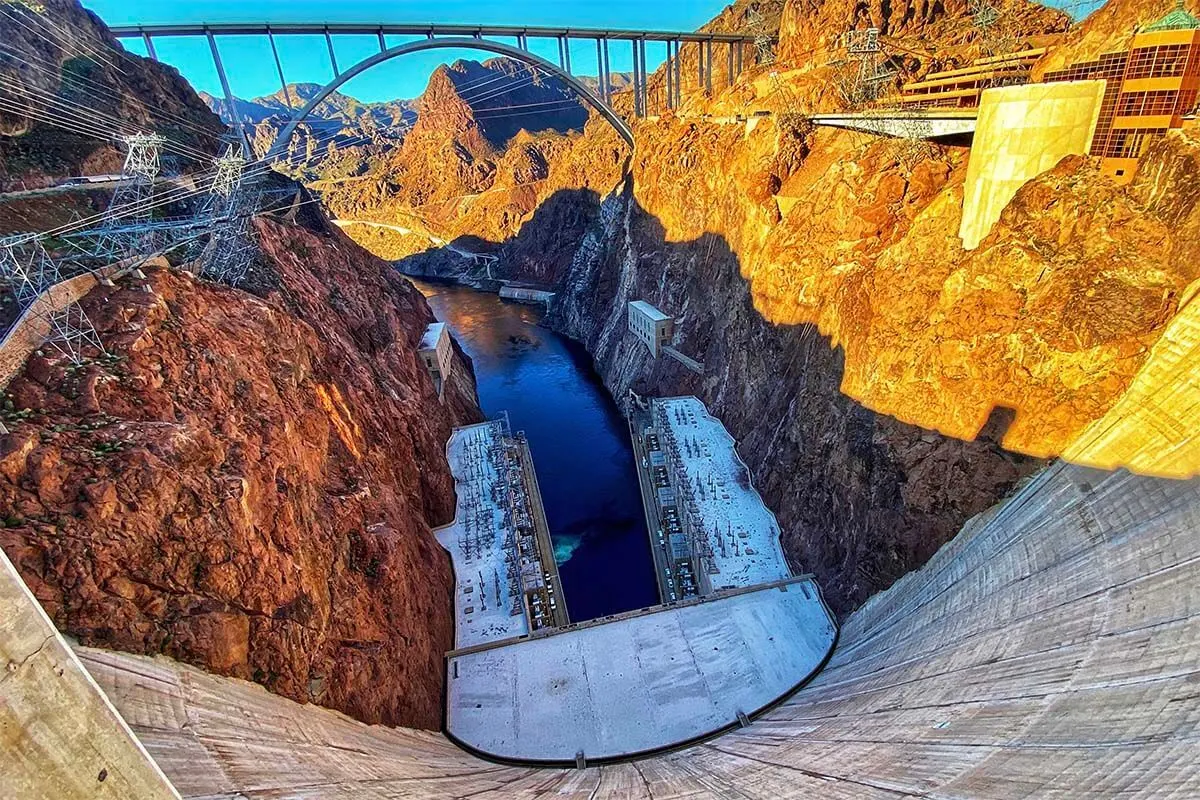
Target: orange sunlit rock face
{"x": 868, "y": 451}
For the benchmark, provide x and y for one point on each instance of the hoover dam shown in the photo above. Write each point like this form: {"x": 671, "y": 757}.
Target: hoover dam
{"x": 781, "y": 399}
{"x": 1048, "y": 647}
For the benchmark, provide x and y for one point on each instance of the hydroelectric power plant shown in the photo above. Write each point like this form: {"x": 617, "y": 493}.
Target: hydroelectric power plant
{"x": 772, "y": 400}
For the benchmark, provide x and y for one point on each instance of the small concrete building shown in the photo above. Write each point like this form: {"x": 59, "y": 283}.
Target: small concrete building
{"x": 652, "y": 326}
{"x": 436, "y": 353}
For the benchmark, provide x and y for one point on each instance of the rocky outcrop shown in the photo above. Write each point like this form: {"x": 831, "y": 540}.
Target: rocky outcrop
{"x": 476, "y": 162}
{"x": 248, "y": 483}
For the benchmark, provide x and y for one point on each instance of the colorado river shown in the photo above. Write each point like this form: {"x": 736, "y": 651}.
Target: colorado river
{"x": 579, "y": 440}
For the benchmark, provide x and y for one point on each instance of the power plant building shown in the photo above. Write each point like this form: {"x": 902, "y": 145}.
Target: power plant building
{"x": 653, "y": 327}
{"x": 436, "y": 353}
{"x": 1151, "y": 87}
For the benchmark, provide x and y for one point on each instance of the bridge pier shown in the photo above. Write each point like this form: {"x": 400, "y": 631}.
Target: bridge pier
{"x": 678, "y": 78}
{"x": 332, "y": 55}
{"x": 642, "y": 63}
{"x": 287, "y": 96}
{"x": 637, "y": 80}
{"x": 216, "y": 54}
{"x": 670, "y": 79}
{"x": 708, "y": 66}
{"x": 606, "y": 81}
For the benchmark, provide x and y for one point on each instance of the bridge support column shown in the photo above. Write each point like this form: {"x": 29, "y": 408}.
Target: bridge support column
{"x": 149, "y": 46}
{"x": 382, "y": 41}
{"x": 708, "y": 66}
{"x": 678, "y": 77}
{"x": 241, "y": 130}
{"x": 641, "y": 44}
{"x": 729, "y": 63}
{"x": 332, "y": 57}
{"x": 600, "y": 71}
{"x": 637, "y": 80}
{"x": 670, "y": 79}
{"x": 607, "y": 80}
{"x": 567, "y": 54}
{"x": 287, "y": 96}
{"x": 562, "y": 59}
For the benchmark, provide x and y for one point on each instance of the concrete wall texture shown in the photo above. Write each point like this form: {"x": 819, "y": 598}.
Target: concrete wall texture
{"x": 60, "y": 738}
{"x": 1051, "y": 649}
{"x": 1021, "y": 132}
{"x": 1151, "y": 429}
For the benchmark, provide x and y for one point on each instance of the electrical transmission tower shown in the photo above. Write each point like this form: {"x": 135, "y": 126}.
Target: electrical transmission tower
{"x": 764, "y": 43}
{"x": 983, "y": 16}
{"x": 71, "y": 331}
{"x": 132, "y": 202}
{"x": 995, "y": 35}
{"x": 865, "y": 74}
{"x": 27, "y": 269}
{"x": 230, "y": 207}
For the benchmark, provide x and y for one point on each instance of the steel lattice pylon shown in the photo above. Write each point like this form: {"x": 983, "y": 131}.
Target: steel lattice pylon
{"x": 764, "y": 43}
{"x": 71, "y": 331}
{"x": 27, "y": 268}
{"x": 864, "y": 76}
{"x": 132, "y": 201}
{"x": 230, "y": 206}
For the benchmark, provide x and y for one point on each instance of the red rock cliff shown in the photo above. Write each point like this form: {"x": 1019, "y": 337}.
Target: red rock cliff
{"x": 249, "y": 484}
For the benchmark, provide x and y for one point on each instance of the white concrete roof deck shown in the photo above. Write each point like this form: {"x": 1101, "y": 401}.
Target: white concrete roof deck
{"x": 649, "y": 310}
{"x": 474, "y": 478}
{"x": 432, "y": 334}
{"x": 641, "y": 683}
{"x": 730, "y": 504}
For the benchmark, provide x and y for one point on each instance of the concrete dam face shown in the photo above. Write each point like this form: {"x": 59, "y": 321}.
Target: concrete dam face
{"x": 1050, "y": 649}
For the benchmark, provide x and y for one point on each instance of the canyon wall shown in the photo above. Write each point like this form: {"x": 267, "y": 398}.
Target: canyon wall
{"x": 246, "y": 483}
{"x": 246, "y": 480}
{"x": 68, "y": 92}
{"x": 884, "y": 384}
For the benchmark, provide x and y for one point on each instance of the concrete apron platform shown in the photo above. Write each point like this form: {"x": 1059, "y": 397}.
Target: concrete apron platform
{"x": 637, "y": 684}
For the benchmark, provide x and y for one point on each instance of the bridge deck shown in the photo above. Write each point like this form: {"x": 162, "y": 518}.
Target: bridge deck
{"x": 417, "y": 29}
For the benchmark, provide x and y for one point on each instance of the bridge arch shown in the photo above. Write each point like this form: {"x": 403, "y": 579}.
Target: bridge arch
{"x": 462, "y": 42}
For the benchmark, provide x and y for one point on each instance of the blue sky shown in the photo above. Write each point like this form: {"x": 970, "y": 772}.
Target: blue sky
{"x": 252, "y": 71}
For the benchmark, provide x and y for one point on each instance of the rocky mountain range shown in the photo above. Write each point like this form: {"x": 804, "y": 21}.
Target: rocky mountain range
{"x": 335, "y": 108}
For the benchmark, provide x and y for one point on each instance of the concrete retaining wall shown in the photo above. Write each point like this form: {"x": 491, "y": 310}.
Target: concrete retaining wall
{"x": 1051, "y": 649}
{"x": 1022, "y": 131}
{"x": 60, "y": 738}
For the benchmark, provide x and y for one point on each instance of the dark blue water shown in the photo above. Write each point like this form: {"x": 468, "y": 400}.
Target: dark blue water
{"x": 579, "y": 440}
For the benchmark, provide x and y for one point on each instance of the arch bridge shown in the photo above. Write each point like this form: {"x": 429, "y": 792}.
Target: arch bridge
{"x": 489, "y": 38}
